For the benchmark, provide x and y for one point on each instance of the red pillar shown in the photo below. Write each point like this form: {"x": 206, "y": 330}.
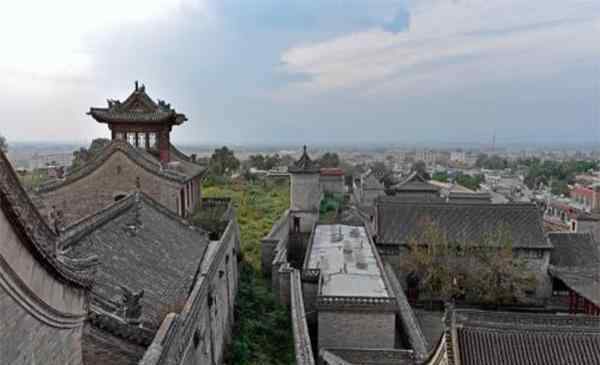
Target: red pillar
{"x": 164, "y": 144}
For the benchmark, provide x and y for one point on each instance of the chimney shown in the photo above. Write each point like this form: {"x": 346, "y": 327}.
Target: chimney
{"x": 136, "y": 85}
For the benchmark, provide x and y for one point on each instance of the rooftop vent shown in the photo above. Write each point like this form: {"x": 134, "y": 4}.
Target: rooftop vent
{"x": 337, "y": 235}
{"x": 361, "y": 261}
{"x": 348, "y": 247}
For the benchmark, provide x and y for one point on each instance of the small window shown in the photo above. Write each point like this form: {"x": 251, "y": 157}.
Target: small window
{"x": 152, "y": 140}
{"x": 119, "y": 170}
{"x": 142, "y": 140}
{"x": 131, "y": 138}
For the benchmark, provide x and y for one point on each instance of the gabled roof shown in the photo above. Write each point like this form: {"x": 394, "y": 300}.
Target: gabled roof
{"x": 499, "y": 338}
{"x": 575, "y": 260}
{"x": 576, "y": 250}
{"x": 180, "y": 171}
{"x": 304, "y": 165}
{"x": 35, "y": 234}
{"x": 143, "y": 246}
{"x": 415, "y": 182}
{"x": 137, "y": 108}
{"x": 398, "y": 222}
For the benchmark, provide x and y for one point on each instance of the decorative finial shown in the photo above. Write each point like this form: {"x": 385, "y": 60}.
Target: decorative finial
{"x": 136, "y": 85}
{"x": 130, "y": 306}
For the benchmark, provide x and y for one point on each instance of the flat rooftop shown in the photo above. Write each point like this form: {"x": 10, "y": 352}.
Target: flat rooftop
{"x": 345, "y": 256}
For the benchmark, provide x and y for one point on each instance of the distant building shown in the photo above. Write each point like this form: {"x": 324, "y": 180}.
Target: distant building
{"x": 332, "y": 180}
{"x": 427, "y": 156}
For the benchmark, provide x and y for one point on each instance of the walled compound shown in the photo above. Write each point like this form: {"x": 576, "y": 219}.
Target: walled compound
{"x": 121, "y": 277}
{"x": 347, "y": 290}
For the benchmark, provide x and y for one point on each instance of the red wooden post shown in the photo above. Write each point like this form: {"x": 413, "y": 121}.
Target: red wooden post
{"x": 571, "y": 302}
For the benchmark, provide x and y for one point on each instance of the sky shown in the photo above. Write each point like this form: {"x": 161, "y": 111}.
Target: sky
{"x": 308, "y": 71}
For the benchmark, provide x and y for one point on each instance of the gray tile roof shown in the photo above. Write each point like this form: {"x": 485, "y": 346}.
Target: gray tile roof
{"x": 143, "y": 246}
{"x": 577, "y": 250}
{"x": 501, "y": 338}
{"x": 35, "y": 234}
{"x": 575, "y": 260}
{"x": 398, "y": 222}
{"x": 181, "y": 170}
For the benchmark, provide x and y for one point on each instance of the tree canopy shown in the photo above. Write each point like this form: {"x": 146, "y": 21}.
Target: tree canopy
{"x": 264, "y": 162}
{"x": 223, "y": 162}
{"x": 329, "y": 159}
{"x": 486, "y": 272}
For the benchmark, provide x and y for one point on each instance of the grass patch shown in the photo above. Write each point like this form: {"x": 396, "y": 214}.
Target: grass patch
{"x": 263, "y": 333}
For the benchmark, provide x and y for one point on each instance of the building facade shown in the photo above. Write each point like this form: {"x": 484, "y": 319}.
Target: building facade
{"x": 139, "y": 157}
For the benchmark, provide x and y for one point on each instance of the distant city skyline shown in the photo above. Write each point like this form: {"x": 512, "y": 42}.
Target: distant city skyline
{"x": 322, "y": 73}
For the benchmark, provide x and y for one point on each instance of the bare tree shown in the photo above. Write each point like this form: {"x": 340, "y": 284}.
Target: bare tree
{"x": 485, "y": 272}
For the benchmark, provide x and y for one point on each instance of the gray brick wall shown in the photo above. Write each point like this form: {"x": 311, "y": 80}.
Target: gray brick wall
{"x": 345, "y": 329}
{"x": 98, "y": 189}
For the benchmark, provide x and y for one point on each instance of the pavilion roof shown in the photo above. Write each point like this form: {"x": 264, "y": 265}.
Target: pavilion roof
{"x": 137, "y": 108}
{"x": 304, "y": 165}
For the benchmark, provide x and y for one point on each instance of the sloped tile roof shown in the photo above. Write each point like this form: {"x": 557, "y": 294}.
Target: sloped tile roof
{"x": 181, "y": 171}
{"x": 398, "y": 222}
{"x": 575, "y": 250}
{"x": 501, "y": 338}
{"x": 143, "y": 246}
{"x": 33, "y": 231}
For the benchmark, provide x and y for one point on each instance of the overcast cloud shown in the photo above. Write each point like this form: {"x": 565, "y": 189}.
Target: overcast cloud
{"x": 271, "y": 71}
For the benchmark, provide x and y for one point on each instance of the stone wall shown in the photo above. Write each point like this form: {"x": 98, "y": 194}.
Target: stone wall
{"x": 200, "y": 333}
{"x": 274, "y": 242}
{"x": 117, "y": 176}
{"x": 302, "y": 343}
{"x": 305, "y": 192}
{"x": 347, "y": 329}
{"x": 41, "y": 318}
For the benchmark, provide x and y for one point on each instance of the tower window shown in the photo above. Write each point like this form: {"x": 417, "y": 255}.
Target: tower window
{"x": 131, "y": 138}
{"x": 142, "y": 140}
{"x": 152, "y": 141}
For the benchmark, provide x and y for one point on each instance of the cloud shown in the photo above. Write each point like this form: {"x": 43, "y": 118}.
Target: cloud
{"x": 302, "y": 71}
{"x": 449, "y": 44}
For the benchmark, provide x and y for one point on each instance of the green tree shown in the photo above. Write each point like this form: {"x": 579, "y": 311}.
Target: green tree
{"x": 223, "y": 162}
{"x": 441, "y": 176}
{"x": 329, "y": 160}
{"x": 84, "y": 155}
{"x": 470, "y": 182}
